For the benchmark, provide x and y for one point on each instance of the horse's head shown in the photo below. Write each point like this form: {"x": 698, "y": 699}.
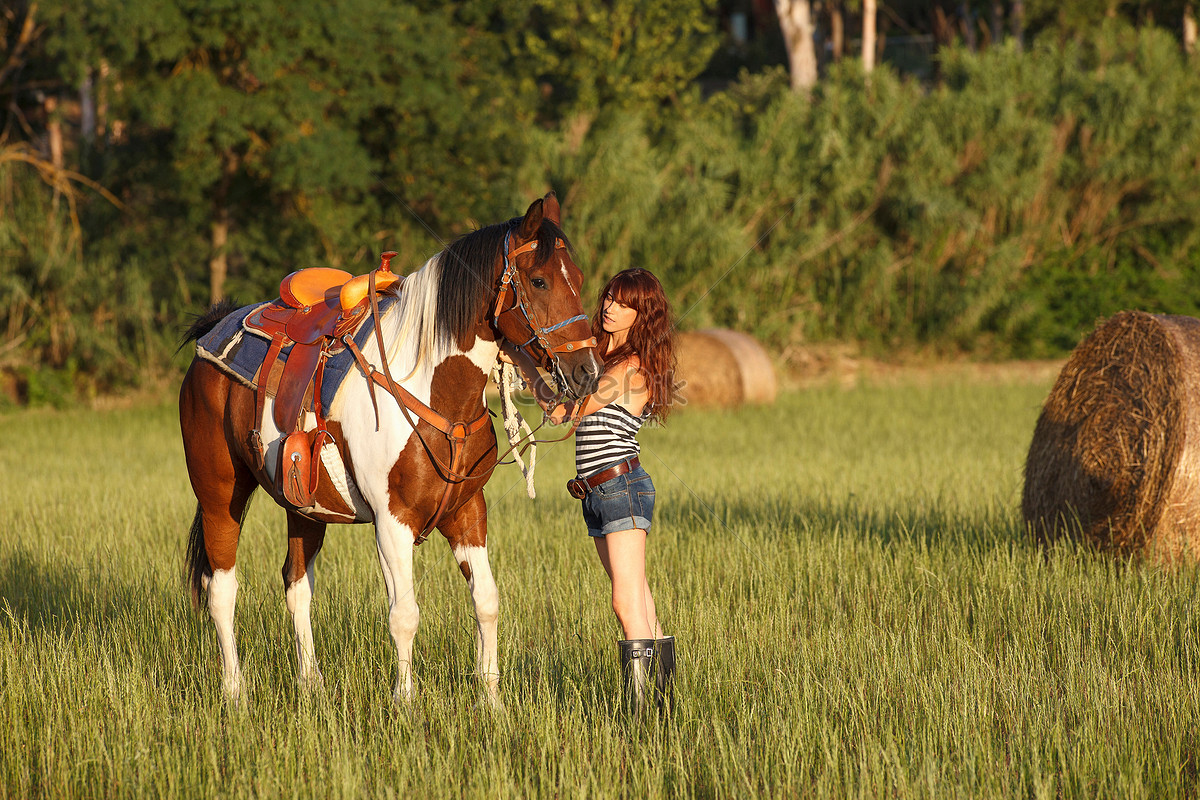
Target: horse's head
{"x": 538, "y": 305}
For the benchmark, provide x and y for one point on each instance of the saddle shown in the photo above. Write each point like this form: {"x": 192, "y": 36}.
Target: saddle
{"x": 316, "y": 308}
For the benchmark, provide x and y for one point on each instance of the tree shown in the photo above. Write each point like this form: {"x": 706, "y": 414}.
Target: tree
{"x": 868, "y": 36}
{"x": 796, "y": 22}
{"x": 613, "y": 56}
{"x": 837, "y": 29}
{"x": 274, "y": 133}
{"x": 1189, "y": 29}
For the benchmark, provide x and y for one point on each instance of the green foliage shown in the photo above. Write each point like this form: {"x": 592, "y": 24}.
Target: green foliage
{"x": 997, "y": 213}
{"x": 613, "y": 57}
{"x": 1001, "y": 212}
{"x": 69, "y": 325}
{"x": 324, "y": 133}
{"x": 1073, "y": 17}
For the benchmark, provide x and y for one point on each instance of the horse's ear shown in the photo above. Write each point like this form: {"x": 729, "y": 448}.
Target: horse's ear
{"x": 553, "y": 213}
{"x": 532, "y": 221}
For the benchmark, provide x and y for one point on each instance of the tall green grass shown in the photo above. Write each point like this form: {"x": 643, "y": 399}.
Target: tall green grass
{"x": 859, "y": 615}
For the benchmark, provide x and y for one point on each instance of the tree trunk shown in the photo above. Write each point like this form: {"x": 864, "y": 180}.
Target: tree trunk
{"x": 218, "y": 265}
{"x": 218, "y": 262}
{"x": 943, "y": 29}
{"x": 967, "y": 21}
{"x": 1016, "y": 22}
{"x": 1189, "y": 30}
{"x": 837, "y": 30}
{"x": 796, "y": 22}
{"x": 102, "y": 132}
{"x": 997, "y": 31}
{"x": 868, "y": 36}
{"x": 54, "y": 141}
{"x": 87, "y": 109}
{"x": 54, "y": 136}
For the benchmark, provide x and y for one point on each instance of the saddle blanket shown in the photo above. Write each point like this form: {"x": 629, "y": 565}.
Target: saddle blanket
{"x": 239, "y": 351}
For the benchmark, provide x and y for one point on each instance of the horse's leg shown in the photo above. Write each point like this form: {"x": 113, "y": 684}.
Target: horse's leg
{"x": 305, "y": 537}
{"x": 467, "y": 533}
{"x": 394, "y": 540}
{"x": 223, "y": 485}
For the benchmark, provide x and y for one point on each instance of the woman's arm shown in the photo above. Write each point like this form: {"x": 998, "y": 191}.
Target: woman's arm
{"x": 621, "y": 383}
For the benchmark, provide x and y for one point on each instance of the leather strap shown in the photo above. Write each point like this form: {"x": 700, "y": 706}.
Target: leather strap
{"x": 509, "y": 285}
{"x": 378, "y": 341}
{"x": 455, "y": 432}
{"x": 522, "y": 445}
{"x": 254, "y": 438}
{"x": 629, "y": 465}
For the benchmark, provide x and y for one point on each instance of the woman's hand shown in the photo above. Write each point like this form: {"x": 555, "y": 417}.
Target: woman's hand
{"x": 510, "y": 354}
{"x": 543, "y": 394}
{"x": 559, "y": 413}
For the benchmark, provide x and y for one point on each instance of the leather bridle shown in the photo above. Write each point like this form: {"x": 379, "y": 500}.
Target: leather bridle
{"x": 512, "y": 285}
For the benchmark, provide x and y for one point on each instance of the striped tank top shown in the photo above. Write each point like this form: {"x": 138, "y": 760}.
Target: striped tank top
{"x": 606, "y": 437}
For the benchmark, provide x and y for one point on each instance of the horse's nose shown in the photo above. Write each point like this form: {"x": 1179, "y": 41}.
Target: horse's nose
{"x": 587, "y": 376}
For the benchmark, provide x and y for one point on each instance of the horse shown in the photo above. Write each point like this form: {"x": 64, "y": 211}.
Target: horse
{"x": 406, "y": 476}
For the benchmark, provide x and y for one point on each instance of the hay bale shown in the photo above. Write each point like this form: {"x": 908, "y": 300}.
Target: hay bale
{"x": 1115, "y": 456}
{"x": 724, "y": 368}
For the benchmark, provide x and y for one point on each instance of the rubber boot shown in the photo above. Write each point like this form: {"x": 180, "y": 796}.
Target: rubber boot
{"x": 664, "y": 673}
{"x": 637, "y": 659}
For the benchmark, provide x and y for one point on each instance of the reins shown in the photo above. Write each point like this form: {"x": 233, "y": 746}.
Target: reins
{"x": 574, "y": 423}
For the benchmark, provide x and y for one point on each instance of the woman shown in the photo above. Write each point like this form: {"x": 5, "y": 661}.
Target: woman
{"x": 633, "y": 329}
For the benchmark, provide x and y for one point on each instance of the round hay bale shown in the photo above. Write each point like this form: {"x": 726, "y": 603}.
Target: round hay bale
{"x": 724, "y": 368}
{"x": 1115, "y": 456}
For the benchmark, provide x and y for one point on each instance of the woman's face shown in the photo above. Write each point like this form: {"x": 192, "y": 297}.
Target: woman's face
{"x": 616, "y": 317}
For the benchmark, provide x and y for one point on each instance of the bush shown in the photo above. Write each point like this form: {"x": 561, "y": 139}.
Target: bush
{"x": 70, "y": 324}
{"x": 999, "y": 213}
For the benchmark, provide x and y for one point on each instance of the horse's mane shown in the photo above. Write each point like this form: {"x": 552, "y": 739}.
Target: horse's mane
{"x": 442, "y": 302}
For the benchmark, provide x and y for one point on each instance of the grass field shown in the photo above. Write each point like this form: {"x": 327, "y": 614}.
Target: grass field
{"x": 858, "y": 612}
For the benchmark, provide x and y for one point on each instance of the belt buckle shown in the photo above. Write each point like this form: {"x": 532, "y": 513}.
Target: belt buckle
{"x": 578, "y": 488}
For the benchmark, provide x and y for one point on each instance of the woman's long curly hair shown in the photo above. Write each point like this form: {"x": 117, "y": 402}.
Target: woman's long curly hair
{"x": 651, "y": 339}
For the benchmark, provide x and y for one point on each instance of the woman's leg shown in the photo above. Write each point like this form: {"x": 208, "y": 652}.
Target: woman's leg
{"x": 652, "y": 614}
{"x": 651, "y": 611}
{"x": 623, "y": 556}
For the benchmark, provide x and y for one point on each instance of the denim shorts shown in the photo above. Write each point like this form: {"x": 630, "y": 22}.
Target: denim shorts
{"x": 620, "y": 504}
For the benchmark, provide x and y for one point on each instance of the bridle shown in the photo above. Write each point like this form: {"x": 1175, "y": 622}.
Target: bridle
{"x": 511, "y": 284}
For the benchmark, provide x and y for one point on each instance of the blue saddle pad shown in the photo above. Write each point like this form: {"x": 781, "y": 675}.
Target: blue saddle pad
{"x": 239, "y": 352}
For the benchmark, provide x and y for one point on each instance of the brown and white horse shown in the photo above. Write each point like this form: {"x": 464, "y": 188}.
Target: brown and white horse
{"x": 441, "y": 338}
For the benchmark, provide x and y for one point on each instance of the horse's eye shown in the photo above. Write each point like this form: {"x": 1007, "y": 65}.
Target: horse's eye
{"x": 538, "y": 283}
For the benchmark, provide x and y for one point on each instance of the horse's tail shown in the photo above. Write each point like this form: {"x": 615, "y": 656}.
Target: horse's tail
{"x": 203, "y": 323}
{"x": 197, "y": 559}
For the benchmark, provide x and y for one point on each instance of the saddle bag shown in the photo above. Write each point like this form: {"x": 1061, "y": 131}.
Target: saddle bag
{"x": 296, "y": 476}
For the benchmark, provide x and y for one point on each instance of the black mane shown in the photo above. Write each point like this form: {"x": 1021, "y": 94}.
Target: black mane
{"x": 467, "y": 280}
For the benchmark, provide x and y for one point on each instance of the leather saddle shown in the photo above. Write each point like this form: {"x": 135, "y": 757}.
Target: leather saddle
{"x": 316, "y": 307}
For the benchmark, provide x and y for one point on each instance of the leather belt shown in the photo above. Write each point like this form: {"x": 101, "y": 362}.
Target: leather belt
{"x": 578, "y": 487}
